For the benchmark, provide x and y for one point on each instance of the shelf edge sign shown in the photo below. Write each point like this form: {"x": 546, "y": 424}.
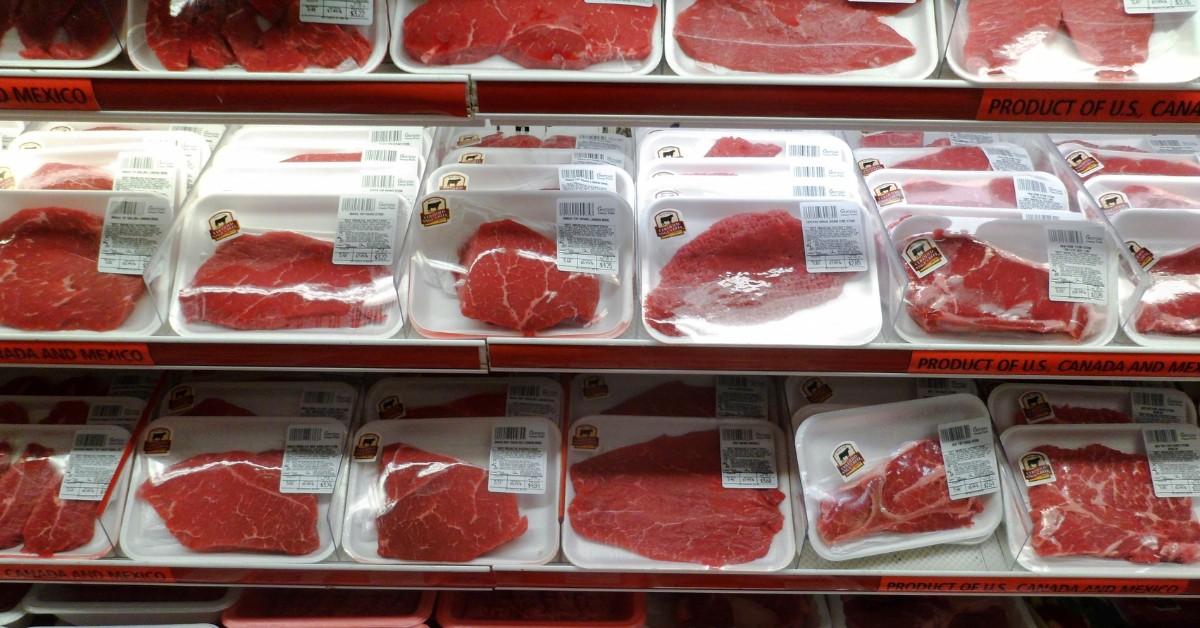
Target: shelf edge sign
{"x": 1063, "y": 105}
{"x": 1054, "y": 364}
{"x": 47, "y": 94}
{"x": 76, "y": 353}
{"x": 1034, "y": 585}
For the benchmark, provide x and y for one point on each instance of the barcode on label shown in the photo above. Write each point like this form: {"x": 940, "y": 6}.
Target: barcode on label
{"x": 320, "y": 397}
{"x": 585, "y": 156}
{"x": 127, "y": 208}
{"x": 809, "y": 172}
{"x": 304, "y": 433}
{"x": 358, "y": 204}
{"x": 1029, "y": 185}
{"x": 820, "y": 212}
{"x": 524, "y": 390}
{"x": 105, "y": 412}
{"x": 809, "y": 190}
{"x": 803, "y": 150}
{"x": 579, "y": 173}
{"x": 387, "y": 137}
{"x": 137, "y": 162}
{"x": 731, "y": 433}
{"x": 955, "y": 433}
{"x": 379, "y": 181}
{"x": 1149, "y": 398}
{"x": 577, "y": 209}
{"x": 1065, "y": 236}
{"x": 85, "y": 440}
{"x": 381, "y": 154}
{"x": 1162, "y": 436}
{"x": 508, "y": 433}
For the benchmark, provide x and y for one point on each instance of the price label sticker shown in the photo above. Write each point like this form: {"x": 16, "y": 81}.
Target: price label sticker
{"x": 1078, "y": 264}
{"x": 968, "y": 451}
{"x": 95, "y": 456}
{"x": 533, "y": 399}
{"x": 587, "y": 236}
{"x": 742, "y": 397}
{"x": 1174, "y": 455}
{"x": 312, "y": 459}
{"x": 331, "y": 404}
{"x": 585, "y": 178}
{"x": 1139, "y": 7}
{"x": 349, "y": 12}
{"x": 833, "y": 239}
{"x": 366, "y": 231}
{"x": 1151, "y": 406}
{"x": 517, "y": 463}
{"x": 748, "y": 457}
{"x": 132, "y": 231}
{"x": 939, "y": 387}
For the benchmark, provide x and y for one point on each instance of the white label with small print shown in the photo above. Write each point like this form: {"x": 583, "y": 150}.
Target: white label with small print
{"x": 800, "y": 150}
{"x": 1042, "y": 215}
{"x": 599, "y": 157}
{"x": 939, "y": 387}
{"x": 397, "y": 136}
{"x": 818, "y": 170}
{"x": 210, "y": 132}
{"x": 1078, "y": 264}
{"x": 833, "y": 239}
{"x": 1034, "y": 193}
{"x": 742, "y": 397}
{"x": 1138, "y": 7}
{"x": 351, "y": 12}
{"x": 1007, "y": 159}
{"x": 584, "y": 178}
{"x": 95, "y": 456}
{"x": 116, "y": 414}
{"x": 1174, "y": 456}
{"x": 969, "y": 453}
{"x": 1178, "y": 144}
{"x": 391, "y": 155}
{"x": 533, "y": 399}
{"x": 366, "y": 231}
{"x": 390, "y": 181}
{"x": 748, "y": 457}
{"x": 587, "y": 232}
{"x": 146, "y": 172}
{"x": 517, "y": 463}
{"x": 1151, "y": 406}
{"x": 605, "y": 142}
{"x": 973, "y": 139}
{"x": 331, "y": 404}
{"x": 193, "y": 155}
{"x": 312, "y": 459}
{"x": 133, "y": 229}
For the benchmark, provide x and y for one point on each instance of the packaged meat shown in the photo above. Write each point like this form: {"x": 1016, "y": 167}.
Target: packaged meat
{"x": 488, "y": 264}
{"x": 999, "y": 157}
{"x": 739, "y": 177}
{"x": 809, "y": 41}
{"x": 211, "y": 133}
{"x": 195, "y": 148}
{"x": 1035, "y": 404}
{"x": 210, "y": 490}
{"x": 979, "y": 279}
{"x": 79, "y": 382}
{"x": 320, "y": 178}
{"x": 123, "y": 412}
{"x": 60, "y": 34}
{"x": 56, "y": 504}
{"x": 928, "y": 611}
{"x": 329, "y": 608}
{"x": 741, "y": 271}
{"x": 574, "y": 177}
{"x": 741, "y": 610}
{"x": 272, "y": 134}
{"x": 554, "y": 37}
{"x": 870, "y": 491}
{"x": 538, "y": 157}
{"x": 240, "y": 36}
{"x": 1141, "y": 143}
{"x": 919, "y": 139}
{"x": 1085, "y": 502}
{"x": 1077, "y": 41}
{"x": 1160, "y": 284}
{"x": 324, "y": 267}
{"x": 1035, "y": 191}
{"x": 540, "y": 609}
{"x": 530, "y": 139}
{"x": 1113, "y": 193}
{"x": 696, "y": 144}
{"x": 802, "y": 391}
{"x": 335, "y": 400}
{"x": 81, "y": 605}
{"x": 464, "y": 397}
{"x": 474, "y": 491}
{"x": 157, "y": 169}
{"x": 1087, "y": 162}
{"x": 636, "y": 485}
{"x": 719, "y": 396}
{"x": 304, "y": 154}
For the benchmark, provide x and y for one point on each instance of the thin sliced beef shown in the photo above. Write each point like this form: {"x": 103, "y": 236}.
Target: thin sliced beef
{"x": 57, "y": 525}
{"x": 1147, "y": 197}
{"x": 1000, "y": 32}
{"x": 741, "y": 147}
{"x": 484, "y": 404}
{"x": 1105, "y": 35}
{"x": 1171, "y": 305}
{"x": 950, "y": 158}
{"x": 20, "y": 487}
{"x": 59, "y": 176}
{"x": 673, "y": 398}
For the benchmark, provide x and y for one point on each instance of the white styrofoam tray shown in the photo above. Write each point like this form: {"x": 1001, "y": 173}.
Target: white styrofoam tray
{"x": 1164, "y": 232}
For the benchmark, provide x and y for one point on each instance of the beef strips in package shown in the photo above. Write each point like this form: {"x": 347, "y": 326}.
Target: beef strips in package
{"x": 274, "y": 265}
{"x": 985, "y": 278}
{"x": 464, "y": 397}
{"x": 551, "y": 37}
{"x": 715, "y": 396}
{"x": 212, "y": 133}
{"x": 123, "y": 412}
{"x": 1159, "y": 287}
{"x": 697, "y": 144}
{"x": 529, "y": 146}
{"x": 780, "y": 272}
{"x": 930, "y": 478}
{"x": 570, "y": 177}
{"x": 60, "y": 34}
{"x": 1035, "y": 404}
{"x": 124, "y": 168}
{"x": 550, "y": 264}
{"x": 474, "y": 491}
{"x": 239, "y": 36}
{"x": 74, "y": 261}
{"x": 1113, "y": 193}
{"x": 195, "y": 147}
{"x": 210, "y": 490}
{"x": 804, "y": 390}
{"x": 998, "y": 157}
{"x": 1036, "y": 192}
{"x": 1086, "y": 162}
{"x": 815, "y": 40}
{"x": 1104, "y": 500}
{"x": 1074, "y": 41}
{"x": 64, "y": 490}
{"x": 335, "y": 400}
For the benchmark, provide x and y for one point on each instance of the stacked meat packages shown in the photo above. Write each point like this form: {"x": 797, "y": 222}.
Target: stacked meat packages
{"x": 59, "y": 33}
{"x": 301, "y": 398}
{"x": 464, "y": 397}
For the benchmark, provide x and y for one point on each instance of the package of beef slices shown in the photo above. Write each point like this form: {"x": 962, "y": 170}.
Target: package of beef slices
{"x": 1159, "y": 282}
{"x": 1035, "y": 404}
{"x": 473, "y": 491}
{"x": 1117, "y": 192}
{"x": 997, "y": 157}
{"x": 534, "y": 145}
{"x": 550, "y": 264}
{"x": 715, "y": 396}
{"x": 123, "y": 412}
{"x": 893, "y": 189}
{"x": 1089, "y": 161}
{"x": 336, "y": 400}
{"x": 64, "y": 36}
{"x": 194, "y": 146}
{"x": 207, "y": 490}
{"x": 122, "y": 167}
{"x": 463, "y": 397}
{"x": 64, "y": 488}
{"x": 211, "y": 133}
{"x": 569, "y": 177}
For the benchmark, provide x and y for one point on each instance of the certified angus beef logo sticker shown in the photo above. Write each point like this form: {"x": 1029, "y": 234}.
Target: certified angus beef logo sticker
{"x": 888, "y": 194}
{"x": 471, "y": 158}
{"x": 923, "y": 256}
{"x": 1083, "y": 162}
{"x": 470, "y": 139}
{"x": 867, "y": 166}
{"x": 158, "y": 442}
{"x": 391, "y": 407}
{"x": 1036, "y": 469}
{"x": 1112, "y": 200}
{"x": 848, "y": 459}
{"x": 180, "y": 398}
{"x": 1035, "y": 407}
{"x": 668, "y": 224}
{"x": 434, "y": 211}
{"x": 1142, "y": 255}
{"x": 453, "y": 181}
{"x": 815, "y": 390}
{"x": 223, "y": 225}
{"x": 594, "y": 387}
{"x": 670, "y": 152}
{"x": 585, "y": 437}
{"x": 366, "y": 448}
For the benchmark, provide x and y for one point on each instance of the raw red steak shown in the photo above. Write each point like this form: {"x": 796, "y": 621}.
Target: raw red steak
{"x": 284, "y": 280}
{"x": 789, "y": 36}
{"x": 12, "y": 413}
{"x": 1078, "y": 414}
{"x": 512, "y": 281}
{"x": 559, "y": 141}
{"x": 741, "y": 147}
{"x": 994, "y": 193}
{"x": 500, "y": 140}
{"x": 949, "y": 158}
{"x": 893, "y": 139}
{"x": 1146, "y": 197}
{"x": 56, "y": 176}
{"x": 1171, "y": 305}
{"x": 907, "y": 495}
{"x": 64, "y": 29}
{"x": 1148, "y": 165}
{"x": 986, "y": 289}
{"x": 215, "y": 407}
{"x": 673, "y": 398}
{"x": 1105, "y": 35}
{"x": 230, "y": 502}
{"x": 1000, "y": 32}
{"x": 20, "y": 487}
{"x": 663, "y": 499}
{"x": 746, "y": 269}
{"x": 439, "y": 508}
{"x": 68, "y": 412}
{"x": 57, "y": 525}
{"x": 1102, "y": 504}
{"x": 48, "y": 261}
{"x": 927, "y": 611}
{"x": 324, "y": 157}
{"x": 485, "y": 404}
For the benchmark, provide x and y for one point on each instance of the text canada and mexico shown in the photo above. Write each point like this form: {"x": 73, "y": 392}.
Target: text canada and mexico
{"x": 1057, "y": 365}
{"x": 996, "y": 106}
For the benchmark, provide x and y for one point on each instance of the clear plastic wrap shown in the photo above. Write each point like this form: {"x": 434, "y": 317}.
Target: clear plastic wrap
{"x": 693, "y": 144}
{"x": 736, "y": 177}
{"x": 406, "y": 470}
{"x": 716, "y": 396}
{"x": 123, "y": 412}
{"x": 158, "y": 169}
{"x": 541, "y": 609}
{"x": 998, "y": 190}
{"x": 1160, "y": 282}
{"x": 1030, "y": 404}
{"x": 463, "y": 397}
{"x": 802, "y": 391}
{"x": 918, "y": 139}
{"x": 448, "y": 140}
{"x": 195, "y": 147}
{"x": 1113, "y": 193}
{"x": 1143, "y": 143}
{"x": 970, "y": 157}
{"x": 1087, "y": 162}
{"x": 336, "y": 400}
{"x": 60, "y": 34}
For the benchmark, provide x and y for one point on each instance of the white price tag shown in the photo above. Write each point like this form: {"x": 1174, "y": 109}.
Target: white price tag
{"x": 193, "y": 155}
{"x": 211, "y": 133}
{"x": 605, "y": 142}
{"x": 748, "y": 457}
{"x": 352, "y": 12}
{"x": 94, "y": 458}
{"x": 587, "y": 236}
{"x": 532, "y": 399}
{"x": 741, "y": 397}
{"x": 800, "y": 150}
{"x": 599, "y": 157}
{"x": 938, "y": 387}
{"x": 973, "y": 139}
{"x": 327, "y": 403}
{"x": 1152, "y": 406}
{"x": 397, "y": 136}
{"x": 146, "y": 172}
{"x": 132, "y": 231}
{"x": 970, "y": 457}
{"x": 1178, "y": 144}
{"x": 116, "y": 414}
{"x": 390, "y": 155}
{"x": 1034, "y": 193}
{"x": 312, "y": 459}
{"x": 366, "y": 231}
{"x": 1078, "y": 264}
{"x": 517, "y": 463}
{"x": 1004, "y": 158}
{"x": 1137, "y": 7}
{"x": 584, "y": 178}
{"x": 1174, "y": 456}
{"x": 833, "y": 239}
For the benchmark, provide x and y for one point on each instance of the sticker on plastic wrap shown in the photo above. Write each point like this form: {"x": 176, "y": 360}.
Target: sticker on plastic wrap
{"x": 848, "y": 459}
{"x": 389, "y": 181}
{"x": 969, "y": 453}
{"x": 800, "y": 150}
{"x": 598, "y": 157}
{"x": 366, "y": 231}
{"x": 132, "y": 231}
{"x": 605, "y": 142}
{"x": 973, "y": 139}
{"x": 1004, "y": 159}
{"x": 833, "y": 239}
{"x": 939, "y": 387}
{"x": 587, "y": 236}
{"x": 326, "y": 403}
{"x": 742, "y": 397}
{"x": 584, "y": 178}
{"x": 748, "y": 458}
{"x": 517, "y": 463}
{"x": 1083, "y": 163}
{"x": 94, "y": 459}
{"x": 1158, "y": 407}
{"x": 116, "y": 414}
{"x": 1174, "y": 455}
{"x": 1177, "y": 144}
{"x": 1035, "y": 407}
{"x": 1139, "y": 7}
{"x": 1036, "y": 469}
{"x": 351, "y": 12}
{"x": 1047, "y": 215}
{"x": 312, "y": 459}
{"x": 923, "y": 256}
{"x": 194, "y": 157}
{"x": 1033, "y": 193}
{"x": 1142, "y": 255}
{"x": 389, "y": 155}
{"x": 145, "y": 172}
{"x": 397, "y": 136}
{"x": 532, "y": 399}
{"x": 1078, "y": 264}
{"x": 210, "y": 132}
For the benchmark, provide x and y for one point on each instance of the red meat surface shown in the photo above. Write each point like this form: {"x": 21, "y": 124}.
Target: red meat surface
{"x": 673, "y": 398}
{"x": 284, "y": 280}
{"x": 986, "y": 289}
{"x": 212, "y": 406}
{"x": 5, "y": 456}
{"x": 483, "y": 404}
{"x": 559, "y": 141}
{"x": 568, "y": 607}
{"x": 324, "y": 157}
{"x": 1077, "y": 414}
{"x": 994, "y": 193}
{"x": 790, "y": 36}
{"x": 949, "y": 158}
{"x": 48, "y": 260}
{"x": 206, "y": 46}
{"x": 746, "y": 269}
{"x": 272, "y": 10}
{"x": 38, "y": 21}
{"x": 1149, "y": 165}
{"x": 1171, "y": 305}
{"x": 512, "y": 281}
{"x": 168, "y": 36}
{"x": 1144, "y": 196}
{"x": 68, "y": 412}
{"x": 326, "y": 45}
{"x": 663, "y": 499}
{"x": 741, "y": 147}
{"x": 928, "y": 611}
{"x": 1102, "y": 504}
{"x": 500, "y": 140}
{"x": 257, "y": 50}
{"x": 20, "y": 487}
{"x": 230, "y": 502}
{"x": 723, "y": 610}
{"x": 439, "y": 508}
{"x": 77, "y": 34}
{"x": 1000, "y": 32}
{"x": 1105, "y": 35}
{"x": 58, "y": 176}
{"x": 12, "y": 413}
{"x": 550, "y": 34}
{"x": 893, "y": 139}
{"x": 907, "y": 495}
{"x": 57, "y": 525}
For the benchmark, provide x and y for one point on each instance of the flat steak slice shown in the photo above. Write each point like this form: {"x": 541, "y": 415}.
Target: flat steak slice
{"x": 949, "y": 158}
{"x": 1147, "y": 197}
{"x": 663, "y": 499}
{"x": 50, "y": 282}
{"x": 484, "y": 404}
{"x": 741, "y": 147}
{"x": 995, "y": 193}
{"x": 986, "y": 289}
{"x": 56, "y": 525}
{"x": 230, "y": 502}
{"x": 1171, "y": 305}
{"x": 1149, "y": 165}
{"x": 20, "y": 487}
{"x": 1079, "y": 414}
{"x": 439, "y": 509}
{"x": 512, "y": 281}
{"x": 284, "y": 280}
{"x": 893, "y": 139}
{"x": 1105, "y": 35}
{"x": 1000, "y": 32}
{"x": 1102, "y": 504}
{"x": 746, "y": 269}
{"x": 673, "y": 398}
{"x": 59, "y": 176}
{"x": 324, "y": 158}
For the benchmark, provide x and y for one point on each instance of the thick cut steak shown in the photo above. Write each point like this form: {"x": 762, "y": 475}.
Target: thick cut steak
{"x": 907, "y": 495}
{"x": 1171, "y": 305}
{"x": 20, "y": 487}
{"x": 230, "y": 502}
{"x": 902, "y": 611}
{"x": 439, "y": 508}
{"x": 212, "y": 406}
{"x": 673, "y": 398}
{"x": 663, "y": 499}
{"x": 1079, "y": 414}
{"x": 1149, "y": 165}
{"x": 1102, "y": 504}
{"x": 986, "y": 289}
{"x": 1000, "y": 32}
{"x": 57, "y": 525}
{"x": 48, "y": 276}
{"x": 746, "y": 269}
{"x": 58, "y": 176}
{"x": 741, "y": 147}
{"x": 994, "y": 193}
{"x": 484, "y": 404}
{"x": 1147, "y": 197}
{"x": 512, "y": 281}
{"x": 284, "y": 280}
{"x": 1105, "y": 35}
{"x": 949, "y": 158}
